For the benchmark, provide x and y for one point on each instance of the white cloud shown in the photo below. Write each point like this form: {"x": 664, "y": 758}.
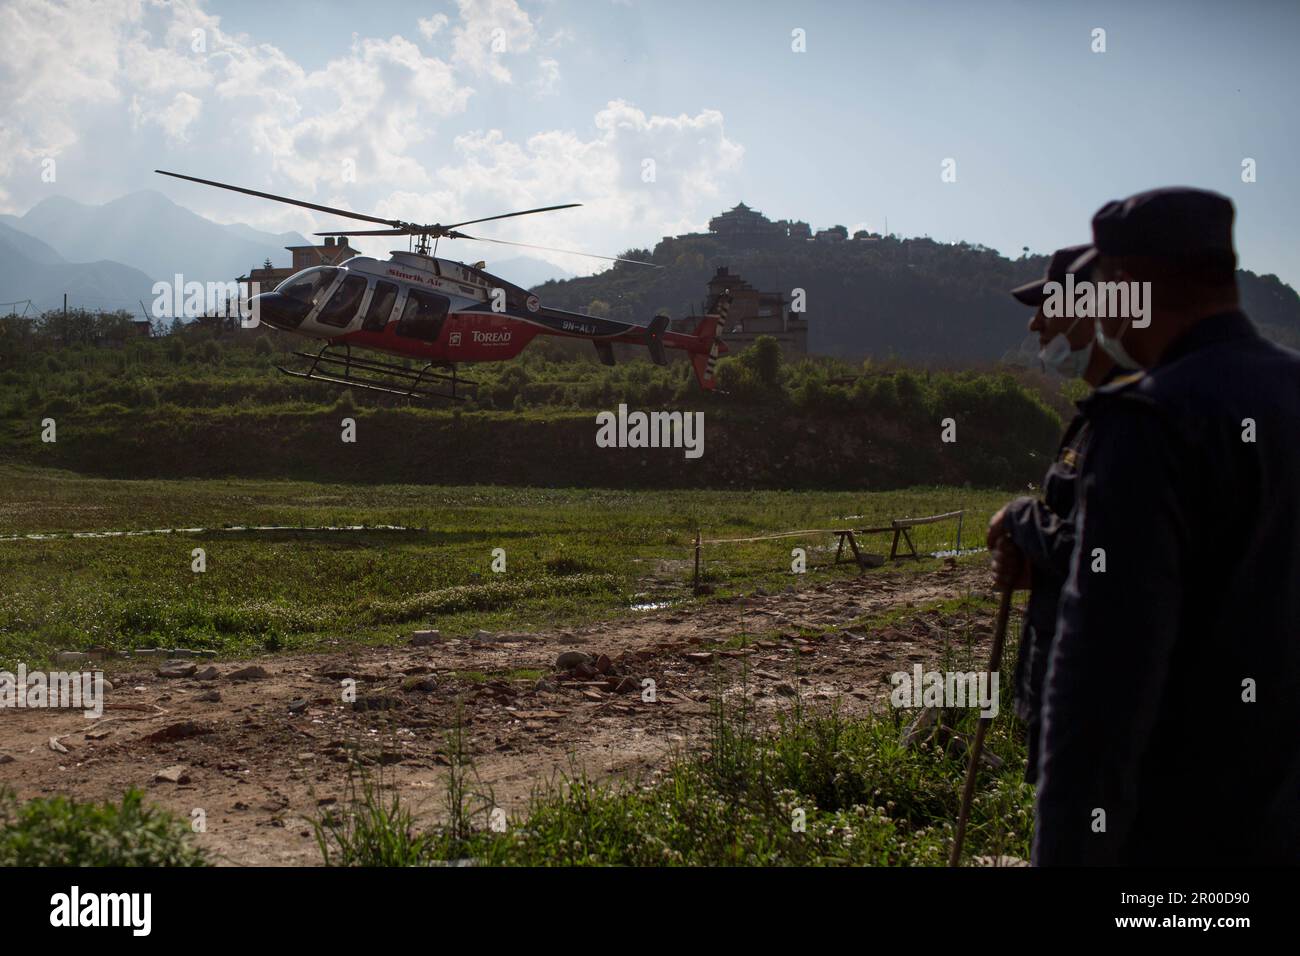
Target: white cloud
{"x": 488, "y": 30}
{"x": 174, "y": 119}
{"x": 691, "y": 154}
{"x": 367, "y": 130}
{"x": 429, "y": 26}
{"x": 548, "y": 76}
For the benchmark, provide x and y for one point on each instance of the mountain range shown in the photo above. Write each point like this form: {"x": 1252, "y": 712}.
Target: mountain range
{"x": 915, "y": 299}
{"x": 109, "y": 256}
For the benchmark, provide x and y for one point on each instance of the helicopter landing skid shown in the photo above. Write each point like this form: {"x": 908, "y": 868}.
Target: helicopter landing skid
{"x": 343, "y": 370}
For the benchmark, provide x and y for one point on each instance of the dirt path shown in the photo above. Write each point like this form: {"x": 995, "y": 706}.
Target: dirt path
{"x": 259, "y": 756}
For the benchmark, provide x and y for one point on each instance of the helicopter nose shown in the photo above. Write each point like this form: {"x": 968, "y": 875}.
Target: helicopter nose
{"x": 280, "y": 311}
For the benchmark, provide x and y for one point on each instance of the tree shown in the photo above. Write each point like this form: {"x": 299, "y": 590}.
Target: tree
{"x": 764, "y": 358}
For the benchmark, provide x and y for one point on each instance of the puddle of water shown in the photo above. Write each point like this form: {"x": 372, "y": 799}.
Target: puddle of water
{"x": 957, "y": 554}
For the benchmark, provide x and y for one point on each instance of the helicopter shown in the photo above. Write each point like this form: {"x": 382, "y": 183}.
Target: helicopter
{"x": 442, "y": 312}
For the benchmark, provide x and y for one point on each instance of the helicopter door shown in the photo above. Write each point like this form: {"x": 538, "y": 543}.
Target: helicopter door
{"x": 423, "y": 315}
{"x": 343, "y": 304}
{"x": 382, "y": 301}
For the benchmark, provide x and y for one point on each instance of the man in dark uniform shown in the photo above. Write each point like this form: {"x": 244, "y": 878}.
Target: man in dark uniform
{"x": 1031, "y": 539}
{"x": 1171, "y": 712}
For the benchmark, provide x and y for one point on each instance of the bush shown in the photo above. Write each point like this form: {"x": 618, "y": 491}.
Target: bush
{"x": 60, "y": 832}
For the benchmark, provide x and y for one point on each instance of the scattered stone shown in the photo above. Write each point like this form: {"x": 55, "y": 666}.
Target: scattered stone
{"x": 177, "y": 669}
{"x": 545, "y": 686}
{"x": 298, "y": 706}
{"x": 699, "y": 657}
{"x": 627, "y": 685}
{"x": 483, "y": 636}
{"x": 425, "y": 685}
{"x": 176, "y": 774}
{"x": 603, "y": 664}
{"x": 253, "y": 672}
{"x": 180, "y": 731}
{"x": 425, "y": 638}
{"x": 57, "y": 747}
{"x": 209, "y": 696}
{"x": 98, "y": 734}
{"x": 5, "y": 758}
{"x": 71, "y": 657}
{"x": 571, "y": 659}
{"x": 207, "y": 674}
{"x": 378, "y": 702}
{"x": 784, "y": 689}
{"x": 522, "y": 638}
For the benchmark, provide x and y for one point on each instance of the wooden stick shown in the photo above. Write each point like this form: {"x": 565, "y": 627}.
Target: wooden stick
{"x": 968, "y": 794}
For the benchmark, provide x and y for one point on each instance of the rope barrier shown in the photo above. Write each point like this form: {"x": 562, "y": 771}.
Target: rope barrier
{"x": 899, "y": 527}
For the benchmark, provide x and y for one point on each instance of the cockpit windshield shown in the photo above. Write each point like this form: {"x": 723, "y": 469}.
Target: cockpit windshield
{"x": 306, "y": 285}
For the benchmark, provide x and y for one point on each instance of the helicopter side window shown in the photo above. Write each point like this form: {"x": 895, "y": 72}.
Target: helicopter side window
{"x": 343, "y": 304}
{"x": 423, "y": 315}
{"x": 304, "y": 286}
{"x": 381, "y": 307}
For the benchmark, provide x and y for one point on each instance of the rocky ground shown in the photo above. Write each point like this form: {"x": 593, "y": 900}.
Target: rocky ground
{"x": 257, "y": 747}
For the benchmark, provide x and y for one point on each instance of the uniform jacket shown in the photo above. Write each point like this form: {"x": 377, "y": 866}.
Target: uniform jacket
{"x": 1171, "y": 710}
{"x": 1043, "y": 529}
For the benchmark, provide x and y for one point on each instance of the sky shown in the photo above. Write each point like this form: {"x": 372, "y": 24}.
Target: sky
{"x": 657, "y": 114}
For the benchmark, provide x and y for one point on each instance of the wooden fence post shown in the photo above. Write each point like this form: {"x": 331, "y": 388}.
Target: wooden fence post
{"x": 697, "y": 559}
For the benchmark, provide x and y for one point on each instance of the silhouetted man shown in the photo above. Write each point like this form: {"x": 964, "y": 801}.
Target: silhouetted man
{"x": 1171, "y": 713}
{"x": 1031, "y": 539}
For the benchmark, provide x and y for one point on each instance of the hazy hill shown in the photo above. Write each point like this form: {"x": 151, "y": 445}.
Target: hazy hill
{"x": 30, "y": 269}
{"x": 526, "y": 271}
{"x": 912, "y": 298}
{"x": 149, "y": 232}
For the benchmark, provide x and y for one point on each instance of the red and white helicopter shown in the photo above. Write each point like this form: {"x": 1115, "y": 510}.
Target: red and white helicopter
{"x": 441, "y": 312}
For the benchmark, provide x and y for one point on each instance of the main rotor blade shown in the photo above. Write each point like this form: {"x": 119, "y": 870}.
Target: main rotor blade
{"x": 368, "y": 232}
{"x": 526, "y": 212}
{"x": 569, "y": 252}
{"x": 292, "y": 202}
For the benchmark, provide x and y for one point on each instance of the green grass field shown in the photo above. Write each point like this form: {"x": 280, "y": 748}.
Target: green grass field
{"x": 572, "y": 556}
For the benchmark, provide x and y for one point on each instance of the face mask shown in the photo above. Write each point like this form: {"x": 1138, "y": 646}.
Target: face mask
{"x": 1115, "y": 348}
{"x": 1058, "y": 356}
